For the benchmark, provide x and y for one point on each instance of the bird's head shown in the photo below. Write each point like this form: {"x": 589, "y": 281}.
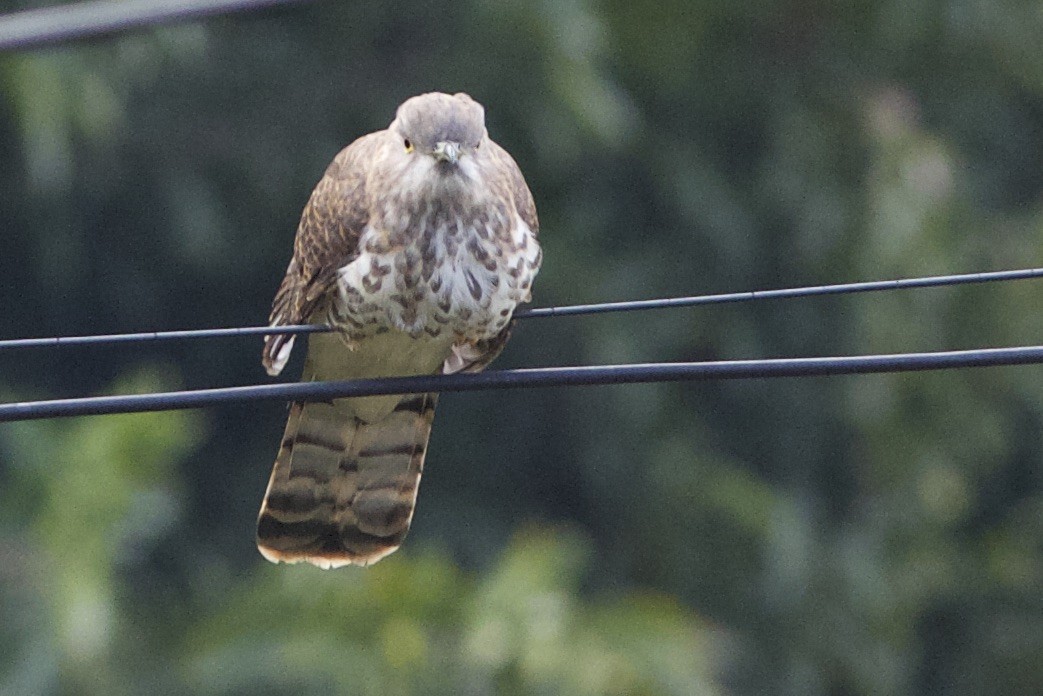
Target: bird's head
{"x": 447, "y": 128}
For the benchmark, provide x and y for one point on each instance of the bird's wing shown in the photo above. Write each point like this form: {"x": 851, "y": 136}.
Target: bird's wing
{"x": 327, "y": 239}
{"x": 515, "y": 187}
{"x": 475, "y": 356}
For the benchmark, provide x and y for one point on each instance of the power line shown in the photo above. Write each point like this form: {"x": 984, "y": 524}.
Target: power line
{"x": 785, "y": 293}
{"x": 533, "y": 377}
{"x": 144, "y": 337}
{"x": 565, "y": 311}
{"x": 50, "y": 25}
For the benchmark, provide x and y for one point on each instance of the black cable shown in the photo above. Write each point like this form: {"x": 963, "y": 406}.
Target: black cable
{"x": 106, "y": 339}
{"x": 534, "y": 377}
{"x": 50, "y": 25}
{"x": 785, "y": 293}
{"x": 570, "y": 310}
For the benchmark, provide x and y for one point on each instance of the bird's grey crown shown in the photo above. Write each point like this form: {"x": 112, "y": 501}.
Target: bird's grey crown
{"x": 429, "y": 119}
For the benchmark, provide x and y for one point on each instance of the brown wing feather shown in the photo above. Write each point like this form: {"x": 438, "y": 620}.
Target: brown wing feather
{"x": 475, "y": 356}
{"x": 327, "y": 239}
{"x": 515, "y": 186}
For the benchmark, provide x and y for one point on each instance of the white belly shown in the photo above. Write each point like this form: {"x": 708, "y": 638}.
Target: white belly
{"x": 386, "y": 354}
{"x": 446, "y": 280}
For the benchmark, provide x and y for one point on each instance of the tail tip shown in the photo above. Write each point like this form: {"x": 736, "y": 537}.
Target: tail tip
{"x": 325, "y": 560}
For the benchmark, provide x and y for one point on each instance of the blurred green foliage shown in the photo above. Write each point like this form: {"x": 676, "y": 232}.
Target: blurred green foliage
{"x": 867, "y": 535}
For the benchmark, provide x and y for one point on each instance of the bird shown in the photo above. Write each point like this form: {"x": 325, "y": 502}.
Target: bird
{"x": 416, "y": 246}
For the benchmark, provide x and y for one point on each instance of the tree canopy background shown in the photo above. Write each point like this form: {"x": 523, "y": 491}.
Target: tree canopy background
{"x": 863, "y": 535}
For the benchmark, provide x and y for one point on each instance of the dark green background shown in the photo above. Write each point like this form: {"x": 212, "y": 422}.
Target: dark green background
{"x": 857, "y": 535}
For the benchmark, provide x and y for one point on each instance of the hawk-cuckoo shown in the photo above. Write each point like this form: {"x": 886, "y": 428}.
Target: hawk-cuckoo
{"x": 416, "y": 245}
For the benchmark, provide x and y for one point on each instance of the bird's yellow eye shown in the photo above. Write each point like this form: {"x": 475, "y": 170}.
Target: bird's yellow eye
{"x": 409, "y": 146}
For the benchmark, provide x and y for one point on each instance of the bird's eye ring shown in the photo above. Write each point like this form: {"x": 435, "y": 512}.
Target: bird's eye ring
{"x": 409, "y": 145}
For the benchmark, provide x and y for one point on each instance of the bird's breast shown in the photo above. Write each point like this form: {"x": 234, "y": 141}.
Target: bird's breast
{"x": 439, "y": 272}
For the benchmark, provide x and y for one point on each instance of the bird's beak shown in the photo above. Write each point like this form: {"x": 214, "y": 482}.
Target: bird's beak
{"x": 447, "y": 151}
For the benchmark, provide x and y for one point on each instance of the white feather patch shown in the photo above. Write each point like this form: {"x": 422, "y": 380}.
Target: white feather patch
{"x": 281, "y": 357}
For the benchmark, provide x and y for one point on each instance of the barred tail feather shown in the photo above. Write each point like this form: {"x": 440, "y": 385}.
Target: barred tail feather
{"x": 343, "y": 490}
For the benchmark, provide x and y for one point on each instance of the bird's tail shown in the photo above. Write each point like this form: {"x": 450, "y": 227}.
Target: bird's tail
{"x": 343, "y": 490}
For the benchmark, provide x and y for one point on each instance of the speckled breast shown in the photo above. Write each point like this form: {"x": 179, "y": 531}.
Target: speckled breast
{"x": 437, "y": 272}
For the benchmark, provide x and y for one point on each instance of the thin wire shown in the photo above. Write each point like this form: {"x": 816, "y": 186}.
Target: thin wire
{"x": 785, "y": 293}
{"x": 51, "y": 25}
{"x": 533, "y": 377}
{"x": 570, "y": 310}
{"x": 106, "y": 339}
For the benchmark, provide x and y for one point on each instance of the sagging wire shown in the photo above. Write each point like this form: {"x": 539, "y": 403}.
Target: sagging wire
{"x": 564, "y": 311}
{"x": 531, "y": 377}
{"x": 52, "y": 25}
